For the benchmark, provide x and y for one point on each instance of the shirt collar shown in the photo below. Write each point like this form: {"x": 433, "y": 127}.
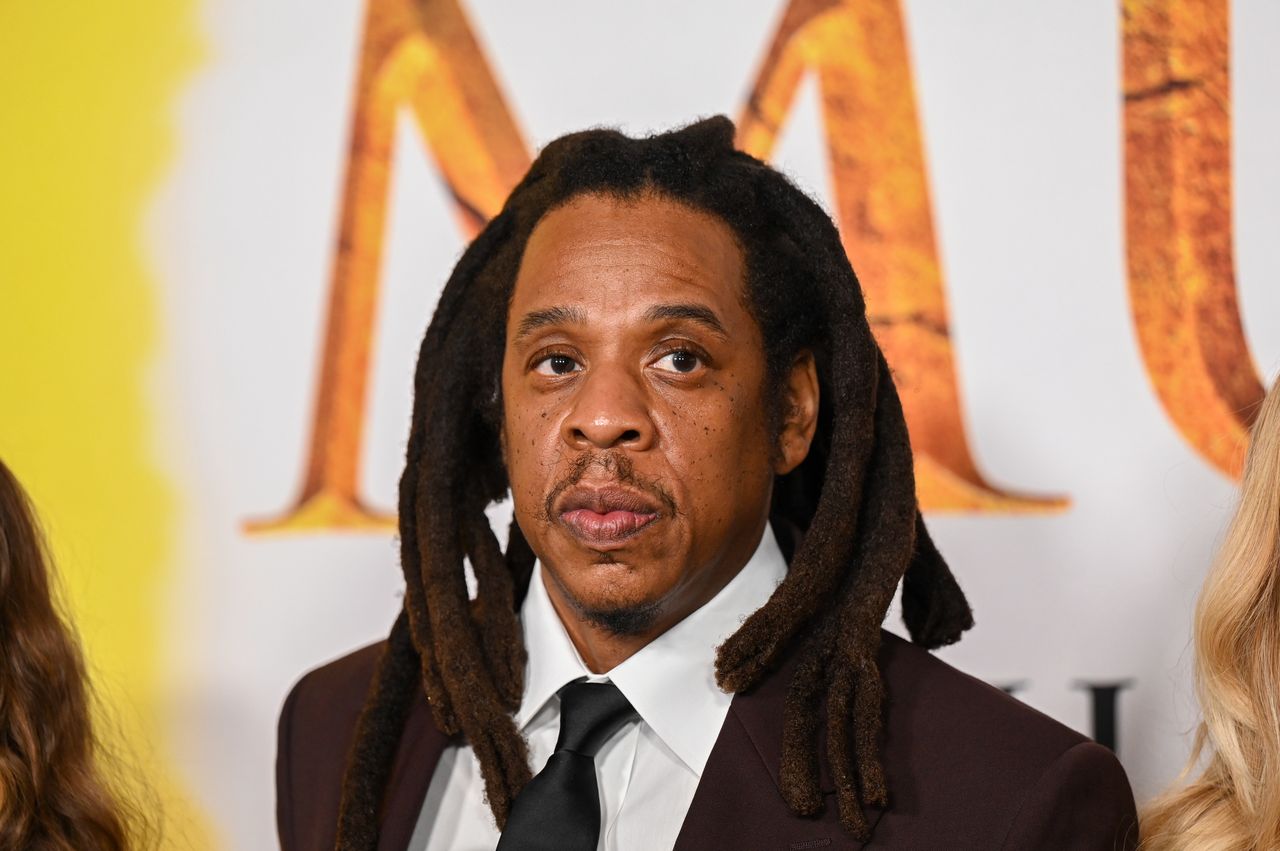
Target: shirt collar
{"x": 671, "y": 680}
{"x": 553, "y": 661}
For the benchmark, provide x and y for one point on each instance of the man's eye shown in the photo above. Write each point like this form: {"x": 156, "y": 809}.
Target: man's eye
{"x": 681, "y": 360}
{"x": 556, "y": 365}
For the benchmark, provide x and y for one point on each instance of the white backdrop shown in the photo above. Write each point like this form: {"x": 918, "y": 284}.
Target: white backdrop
{"x": 1020, "y": 105}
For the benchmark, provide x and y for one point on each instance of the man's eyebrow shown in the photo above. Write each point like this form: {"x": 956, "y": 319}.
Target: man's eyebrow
{"x": 536, "y": 319}
{"x": 698, "y": 313}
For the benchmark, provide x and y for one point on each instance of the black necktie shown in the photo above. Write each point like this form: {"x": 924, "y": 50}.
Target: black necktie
{"x": 560, "y": 808}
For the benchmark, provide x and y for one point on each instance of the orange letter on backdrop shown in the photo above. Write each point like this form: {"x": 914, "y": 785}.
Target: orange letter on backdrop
{"x": 859, "y": 52}
{"x": 1177, "y": 119}
{"x": 424, "y": 53}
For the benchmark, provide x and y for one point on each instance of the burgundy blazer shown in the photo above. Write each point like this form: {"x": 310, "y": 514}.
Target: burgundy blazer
{"x": 968, "y": 767}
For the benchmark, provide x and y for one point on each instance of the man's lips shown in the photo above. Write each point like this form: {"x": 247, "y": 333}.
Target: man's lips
{"x": 604, "y": 516}
{"x": 612, "y": 526}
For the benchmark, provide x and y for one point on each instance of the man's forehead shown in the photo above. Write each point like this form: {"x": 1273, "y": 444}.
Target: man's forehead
{"x": 597, "y": 244}
{"x": 699, "y": 314}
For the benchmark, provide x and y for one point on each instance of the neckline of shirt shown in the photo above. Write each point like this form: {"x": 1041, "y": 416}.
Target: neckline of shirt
{"x": 671, "y": 680}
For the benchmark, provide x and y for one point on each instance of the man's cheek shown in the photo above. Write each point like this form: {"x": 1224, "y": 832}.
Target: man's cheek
{"x": 519, "y": 441}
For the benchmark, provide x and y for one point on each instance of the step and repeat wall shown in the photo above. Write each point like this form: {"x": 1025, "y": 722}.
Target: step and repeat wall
{"x": 226, "y": 224}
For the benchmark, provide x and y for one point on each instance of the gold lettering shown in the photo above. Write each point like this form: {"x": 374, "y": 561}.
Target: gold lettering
{"x": 1182, "y": 286}
{"x": 859, "y": 52}
{"x": 423, "y": 55}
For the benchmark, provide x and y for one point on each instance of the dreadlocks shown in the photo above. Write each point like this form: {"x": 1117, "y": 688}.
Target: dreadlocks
{"x": 853, "y": 497}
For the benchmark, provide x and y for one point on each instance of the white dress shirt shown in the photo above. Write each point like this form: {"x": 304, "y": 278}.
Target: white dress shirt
{"x": 648, "y": 771}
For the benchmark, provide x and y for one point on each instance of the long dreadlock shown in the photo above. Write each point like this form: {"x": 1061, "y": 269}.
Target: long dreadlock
{"x": 853, "y": 496}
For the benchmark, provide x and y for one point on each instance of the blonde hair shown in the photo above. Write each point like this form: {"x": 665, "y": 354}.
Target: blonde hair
{"x": 1234, "y": 805}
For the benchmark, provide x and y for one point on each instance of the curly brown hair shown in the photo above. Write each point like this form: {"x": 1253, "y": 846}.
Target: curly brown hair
{"x": 53, "y": 793}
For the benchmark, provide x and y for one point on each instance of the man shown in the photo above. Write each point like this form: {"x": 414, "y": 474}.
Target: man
{"x": 660, "y": 350}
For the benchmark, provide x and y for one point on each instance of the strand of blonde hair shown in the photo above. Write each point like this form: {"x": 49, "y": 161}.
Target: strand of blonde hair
{"x": 1234, "y": 803}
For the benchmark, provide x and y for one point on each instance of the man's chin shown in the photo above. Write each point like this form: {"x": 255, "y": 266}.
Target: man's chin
{"x": 602, "y": 603}
{"x": 624, "y": 620}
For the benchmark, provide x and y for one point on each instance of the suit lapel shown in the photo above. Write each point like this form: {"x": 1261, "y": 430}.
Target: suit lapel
{"x": 420, "y": 747}
{"x": 739, "y": 803}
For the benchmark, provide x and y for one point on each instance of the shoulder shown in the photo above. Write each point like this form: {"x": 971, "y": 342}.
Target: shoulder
{"x": 961, "y": 753}
{"x": 317, "y": 723}
{"x": 320, "y": 713}
{"x": 337, "y": 687}
{"x": 925, "y": 693}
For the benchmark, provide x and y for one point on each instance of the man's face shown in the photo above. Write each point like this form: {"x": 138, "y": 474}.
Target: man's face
{"x": 635, "y": 426}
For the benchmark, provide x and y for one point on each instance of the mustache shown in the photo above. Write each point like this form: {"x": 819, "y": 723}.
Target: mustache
{"x": 619, "y": 469}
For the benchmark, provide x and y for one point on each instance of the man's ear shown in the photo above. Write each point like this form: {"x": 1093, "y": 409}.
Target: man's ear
{"x": 800, "y": 414}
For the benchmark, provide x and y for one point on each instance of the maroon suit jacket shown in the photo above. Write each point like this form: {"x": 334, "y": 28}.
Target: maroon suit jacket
{"x": 968, "y": 767}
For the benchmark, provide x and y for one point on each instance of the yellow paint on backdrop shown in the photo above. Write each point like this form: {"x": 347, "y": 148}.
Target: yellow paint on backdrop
{"x": 86, "y": 132}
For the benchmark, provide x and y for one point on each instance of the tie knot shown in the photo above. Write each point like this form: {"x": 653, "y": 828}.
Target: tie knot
{"x": 589, "y": 714}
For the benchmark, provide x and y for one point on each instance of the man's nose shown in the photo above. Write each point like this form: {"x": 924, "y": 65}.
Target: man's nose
{"x": 610, "y": 411}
